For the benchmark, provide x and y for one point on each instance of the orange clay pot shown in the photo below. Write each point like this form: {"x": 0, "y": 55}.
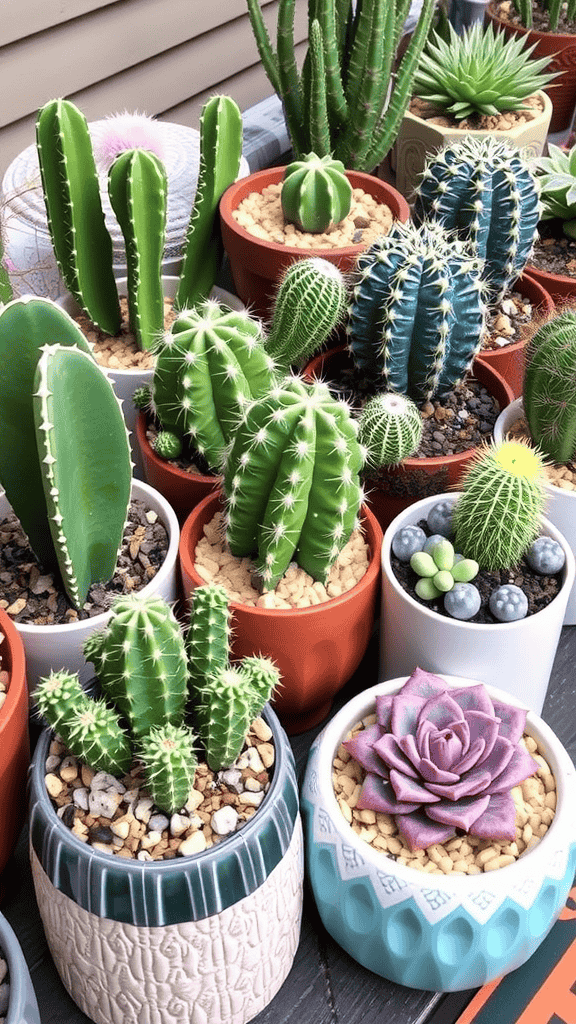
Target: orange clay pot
{"x": 561, "y": 287}
{"x": 14, "y": 740}
{"x": 317, "y": 649}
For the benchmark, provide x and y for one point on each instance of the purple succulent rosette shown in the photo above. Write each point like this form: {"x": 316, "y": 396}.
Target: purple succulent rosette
{"x": 442, "y": 759}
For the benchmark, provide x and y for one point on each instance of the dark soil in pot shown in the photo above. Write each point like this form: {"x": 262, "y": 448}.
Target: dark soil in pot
{"x": 553, "y": 252}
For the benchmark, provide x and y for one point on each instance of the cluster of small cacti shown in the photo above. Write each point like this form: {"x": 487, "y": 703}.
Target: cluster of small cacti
{"x": 549, "y": 395}
{"x": 390, "y": 429}
{"x": 316, "y": 194}
{"x": 147, "y": 671}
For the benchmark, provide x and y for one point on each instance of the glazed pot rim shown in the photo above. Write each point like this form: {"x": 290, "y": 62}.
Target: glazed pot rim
{"x": 552, "y": 749}
{"x": 481, "y": 627}
{"x": 515, "y": 411}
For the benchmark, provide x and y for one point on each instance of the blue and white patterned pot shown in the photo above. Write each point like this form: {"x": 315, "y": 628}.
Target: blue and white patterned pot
{"x": 445, "y": 933}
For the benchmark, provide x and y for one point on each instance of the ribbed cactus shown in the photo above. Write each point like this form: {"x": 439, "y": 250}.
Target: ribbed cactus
{"x": 208, "y": 636}
{"x": 228, "y": 703}
{"x": 310, "y": 302}
{"x": 549, "y": 394}
{"x": 170, "y": 762}
{"x": 499, "y": 511}
{"x": 485, "y": 190}
{"x": 390, "y": 428}
{"x": 59, "y": 695}
{"x": 220, "y": 154}
{"x": 210, "y": 367}
{"x": 417, "y": 315}
{"x": 167, "y": 445}
{"x": 65, "y": 459}
{"x": 316, "y": 194}
{"x": 95, "y": 734}
{"x": 82, "y": 245}
{"x": 137, "y": 186}
{"x": 291, "y": 481}
{"x": 348, "y": 100}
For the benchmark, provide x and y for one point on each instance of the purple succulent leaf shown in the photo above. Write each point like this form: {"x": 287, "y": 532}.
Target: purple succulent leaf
{"x": 431, "y": 773}
{"x": 462, "y": 814}
{"x": 362, "y": 748}
{"x": 377, "y": 795}
{"x": 483, "y": 727}
{"x": 423, "y": 734}
{"x": 442, "y": 711}
{"x": 498, "y": 820}
{"x": 408, "y": 790}
{"x": 388, "y": 748}
{"x": 462, "y": 731}
{"x": 409, "y": 746}
{"x": 474, "y": 698}
{"x": 384, "y": 709}
{"x": 520, "y": 767}
{"x": 512, "y": 721}
{"x": 405, "y": 714}
{"x": 445, "y": 749}
{"x": 473, "y": 756}
{"x": 475, "y": 782}
{"x": 500, "y": 756}
{"x": 418, "y": 831}
{"x": 424, "y": 684}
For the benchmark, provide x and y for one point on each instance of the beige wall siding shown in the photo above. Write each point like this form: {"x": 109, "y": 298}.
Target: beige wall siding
{"x": 164, "y": 57}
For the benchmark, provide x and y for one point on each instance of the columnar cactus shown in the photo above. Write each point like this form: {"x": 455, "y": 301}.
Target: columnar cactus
{"x": 390, "y": 428}
{"x": 316, "y": 194}
{"x": 208, "y": 636}
{"x": 228, "y": 702}
{"x": 499, "y": 511}
{"x": 310, "y": 302}
{"x": 170, "y": 762}
{"x": 485, "y": 190}
{"x": 65, "y": 458}
{"x": 417, "y": 315}
{"x": 291, "y": 481}
{"x": 549, "y": 394}
{"x": 212, "y": 364}
{"x": 137, "y": 186}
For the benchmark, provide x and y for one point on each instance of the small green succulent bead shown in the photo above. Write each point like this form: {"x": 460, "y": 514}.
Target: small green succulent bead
{"x": 465, "y": 570}
{"x": 426, "y": 590}
{"x": 443, "y": 581}
{"x": 443, "y": 555}
{"x": 423, "y": 564}
{"x": 167, "y": 445}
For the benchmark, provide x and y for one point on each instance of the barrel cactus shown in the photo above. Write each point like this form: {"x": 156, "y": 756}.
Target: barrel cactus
{"x": 486, "y": 191}
{"x": 310, "y": 302}
{"x": 417, "y": 315}
{"x": 316, "y": 194}
{"x": 390, "y": 428}
{"x": 550, "y": 386}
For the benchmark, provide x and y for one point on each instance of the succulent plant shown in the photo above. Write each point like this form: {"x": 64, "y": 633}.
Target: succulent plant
{"x": 499, "y": 510}
{"x": 65, "y": 458}
{"x": 553, "y": 7}
{"x": 556, "y": 178}
{"x": 545, "y": 555}
{"x": 316, "y": 194}
{"x": 479, "y": 72}
{"x": 440, "y": 568}
{"x": 310, "y": 302}
{"x": 390, "y": 428}
{"x": 417, "y": 315}
{"x": 508, "y": 603}
{"x": 463, "y": 601}
{"x": 487, "y": 192}
{"x": 441, "y": 759}
{"x": 167, "y": 445}
{"x": 348, "y": 101}
{"x": 291, "y": 481}
{"x": 549, "y": 394}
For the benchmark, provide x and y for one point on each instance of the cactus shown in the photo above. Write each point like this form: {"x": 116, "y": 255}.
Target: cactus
{"x": 94, "y": 733}
{"x": 170, "y": 763}
{"x": 65, "y": 459}
{"x": 167, "y": 445}
{"x": 310, "y": 302}
{"x": 485, "y": 190}
{"x": 291, "y": 481}
{"x": 82, "y": 245}
{"x": 347, "y": 102}
{"x": 137, "y": 187}
{"x": 220, "y": 154}
{"x": 228, "y": 703}
{"x": 60, "y": 691}
{"x": 549, "y": 386}
{"x": 208, "y": 636}
{"x": 499, "y": 511}
{"x": 211, "y": 366}
{"x": 316, "y": 194}
{"x": 553, "y": 8}
{"x": 417, "y": 314}
{"x": 390, "y": 428}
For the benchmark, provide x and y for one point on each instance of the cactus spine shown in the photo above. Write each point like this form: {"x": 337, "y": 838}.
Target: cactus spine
{"x": 417, "y": 315}
{"x": 390, "y": 428}
{"x": 137, "y": 187}
{"x": 486, "y": 191}
{"x": 316, "y": 194}
{"x": 549, "y": 394}
{"x": 310, "y": 303}
{"x": 220, "y": 154}
{"x": 82, "y": 245}
{"x": 499, "y": 510}
{"x": 291, "y": 481}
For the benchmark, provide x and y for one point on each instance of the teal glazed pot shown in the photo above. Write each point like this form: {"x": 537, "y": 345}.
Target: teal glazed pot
{"x": 441, "y": 933}
{"x": 23, "y": 1006}
{"x": 207, "y": 937}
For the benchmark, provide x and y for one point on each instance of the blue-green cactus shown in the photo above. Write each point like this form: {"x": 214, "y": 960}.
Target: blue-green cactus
{"x": 417, "y": 315}
{"x": 316, "y": 194}
{"x": 311, "y": 301}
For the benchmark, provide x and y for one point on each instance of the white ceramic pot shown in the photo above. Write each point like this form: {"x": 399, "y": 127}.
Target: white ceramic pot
{"x": 450, "y": 932}
{"x": 60, "y": 646}
{"x": 561, "y": 504}
{"x": 515, "y": 656}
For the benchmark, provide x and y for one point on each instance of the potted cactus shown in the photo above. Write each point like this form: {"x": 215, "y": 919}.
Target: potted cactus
{"x": 18, "y": 1004}
{"x": 494, "y": 597}
{"x": 65, "y": 469}
{"x": 481, "y": 912}
{"x": 177, "y": 887}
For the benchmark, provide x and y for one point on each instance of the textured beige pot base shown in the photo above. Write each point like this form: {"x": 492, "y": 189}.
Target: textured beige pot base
{"x": 222, "y": 970}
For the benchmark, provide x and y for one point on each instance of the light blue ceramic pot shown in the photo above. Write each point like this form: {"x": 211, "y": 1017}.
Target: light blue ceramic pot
{"x": 440, "y": 933}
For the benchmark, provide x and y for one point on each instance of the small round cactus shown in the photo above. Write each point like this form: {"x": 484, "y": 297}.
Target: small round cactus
{"x": 316, "y": 193}
{"x": 508, "y": 603}
{"x": 167, "y": 445}
{"x": 463, "y": 601}
{"x": 142, "y": 397}
{"x": 407, "y": 541}
{"x": 390, "y": 428}
{"x": 310, "y": 303}
{"x": 545, "y": 556}
{"x": 440, "y": 518}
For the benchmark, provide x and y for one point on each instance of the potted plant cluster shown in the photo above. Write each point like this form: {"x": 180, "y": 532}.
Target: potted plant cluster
{"x": 195, "y": 850}
{"x": 439, "y": 774}
{"x": 553, "y": 261}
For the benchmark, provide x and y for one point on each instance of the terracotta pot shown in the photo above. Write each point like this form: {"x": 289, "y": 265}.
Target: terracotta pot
{"x": 14, "y": 739}
{"x": 182, "y": 490}
{"x": 317, "y": 649}
{"x": 561, "y": 48}
{"x": 257, "y": 265}
{"x": 509, "y": 360}
{"x": 415, "y": 477}
{"x": 559, "y": 286}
